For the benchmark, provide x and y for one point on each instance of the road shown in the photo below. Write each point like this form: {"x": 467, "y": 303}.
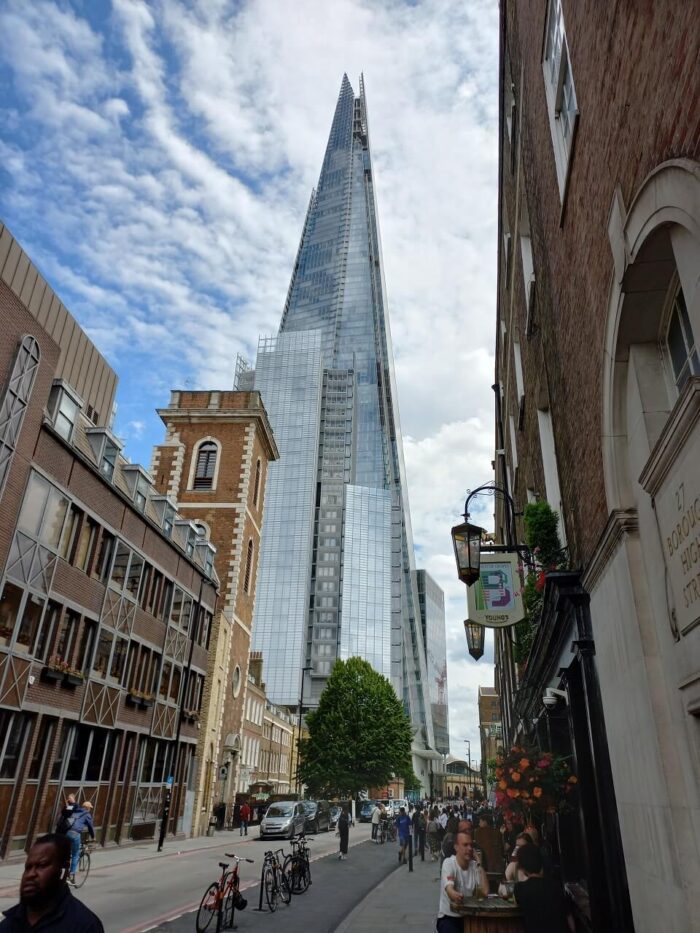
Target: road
{"x": 135, "y": 889}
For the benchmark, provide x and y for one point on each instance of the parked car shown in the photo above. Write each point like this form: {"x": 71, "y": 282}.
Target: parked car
{"x": 335, "y": 813}
{"x": 318, "y": 815}
{"x": 366, "y": 810}
{"x": 284, "y": 818}
{"x": 398, "y": 803}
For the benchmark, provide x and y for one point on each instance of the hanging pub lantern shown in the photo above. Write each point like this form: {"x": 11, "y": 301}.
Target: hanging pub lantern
{"x": 475, "y": 638}
{"x": 466, "y": 539}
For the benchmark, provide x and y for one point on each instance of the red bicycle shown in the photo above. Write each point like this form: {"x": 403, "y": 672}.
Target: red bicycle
{"x": 222, "y": 898}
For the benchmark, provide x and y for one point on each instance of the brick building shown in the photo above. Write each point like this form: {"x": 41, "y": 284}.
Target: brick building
{"x": 214, "y": 463}
{"x": 598, "y": 412}
{"x": 490, "y": 727}
{"x": 106, "y": 593}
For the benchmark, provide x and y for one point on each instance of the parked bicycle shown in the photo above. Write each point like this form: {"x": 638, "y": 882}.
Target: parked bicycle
{"x": 83, "y": 869}
{"x": 274, "y": 881}
{"x": 222, "y": 898}
{"x": 388, "y": 829}
{"x": 297, "y": 867}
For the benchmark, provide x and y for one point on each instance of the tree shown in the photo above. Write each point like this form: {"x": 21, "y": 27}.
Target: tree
{"x": 360, "y": 735}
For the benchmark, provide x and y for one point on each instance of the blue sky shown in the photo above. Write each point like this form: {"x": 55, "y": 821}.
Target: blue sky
{"x": 156, "y": 160}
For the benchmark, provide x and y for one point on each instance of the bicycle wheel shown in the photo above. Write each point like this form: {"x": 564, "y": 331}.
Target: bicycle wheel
{"x": 208, "y": 907}
{"x": 284, "y": 886}
{"x": 83, "y": 869}
{"x": 270, "y": 885}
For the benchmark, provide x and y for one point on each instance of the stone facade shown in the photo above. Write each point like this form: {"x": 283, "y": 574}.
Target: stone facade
{"x": 225, "y": 435}
{"x": 599, "y": 403}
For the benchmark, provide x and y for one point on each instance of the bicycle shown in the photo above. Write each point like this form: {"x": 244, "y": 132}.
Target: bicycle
{"x": 296, "y": 865}
{"x": 381, "y": 833}
{"x": 274, "y": 881}
{"x": 222, "y": 898}
{"x": 388, "y": 830}
{"x": 83, "y": 869}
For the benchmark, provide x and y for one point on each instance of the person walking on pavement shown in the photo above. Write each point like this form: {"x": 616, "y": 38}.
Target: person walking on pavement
{"x": 403, "y": 827}
{"x": 82, "y": 820}
{"x": 343, "y": 832}
{"x": 245, "y": 819}
{"x": 45, "y": 900}
{"x": 376, "y": 816}
{"x": 415, "y": 820}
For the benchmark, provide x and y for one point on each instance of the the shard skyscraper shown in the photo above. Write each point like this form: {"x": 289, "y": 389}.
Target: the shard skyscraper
{"x": 335, "y": 574}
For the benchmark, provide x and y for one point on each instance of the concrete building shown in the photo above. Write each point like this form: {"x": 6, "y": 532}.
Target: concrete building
{"x": 107, "y": 594}
{"x": 214, "y": 463}
{"x": 598, "y": 412}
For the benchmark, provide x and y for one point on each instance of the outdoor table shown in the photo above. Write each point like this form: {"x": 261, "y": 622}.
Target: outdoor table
{"x": 491, "y": 915}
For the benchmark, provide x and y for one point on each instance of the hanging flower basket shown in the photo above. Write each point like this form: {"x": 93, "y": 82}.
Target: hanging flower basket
{"x": 532, "y": 782}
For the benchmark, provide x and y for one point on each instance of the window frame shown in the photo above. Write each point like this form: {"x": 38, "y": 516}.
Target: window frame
{"x": 556, "y": 63}
{"x": 191, "y": 486}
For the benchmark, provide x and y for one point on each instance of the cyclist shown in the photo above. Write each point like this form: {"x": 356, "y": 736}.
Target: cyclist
{"x": 82, "y": 820}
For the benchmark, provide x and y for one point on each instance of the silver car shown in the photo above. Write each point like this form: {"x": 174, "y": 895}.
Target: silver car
{"x": 285, "y": 818}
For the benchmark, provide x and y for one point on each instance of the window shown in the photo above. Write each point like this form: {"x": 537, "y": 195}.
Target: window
{"x": 66, "y": 634}
{"x": 104, "y": 561}
{"x": 560, "y": 92}
{"x": 65, "y": 410}
{"x": 87, "y": 640}
{"x": 13, "y": 729}
{"x": 236, "y": 681}
{"x": 109, "y": 459}
{"x": 29, "y": 626}
{"x": 42, "y": 748}
{"x": 9, "y": 609}
{"x": 680, "y": 343}
{"x": 116, "y": 668}
{"x": 168, "y": 519}
{"x": 133, "y": 578}
{"x": 47, "y": 630}
{"x": 86, "y": 544}
{"x": 70, "y": 530}
{"x": 104, "y": 649}
{"x": 248, "y": 566}
{"x": 141, "y": 492}
{"x": 13, "y": 404}
{"x": 121, "y": 562}
{"x": 165, "y": 680}
{"x": 205, "y": 466}
{"x": 256, "y": 487}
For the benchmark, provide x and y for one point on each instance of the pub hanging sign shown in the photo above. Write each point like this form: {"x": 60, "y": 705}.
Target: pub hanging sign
{"x": 496, "y": 599}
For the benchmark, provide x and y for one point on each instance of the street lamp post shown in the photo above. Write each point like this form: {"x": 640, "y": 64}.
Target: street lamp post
{"x": 301, "y": 707}
{"x": 469, "y": 758}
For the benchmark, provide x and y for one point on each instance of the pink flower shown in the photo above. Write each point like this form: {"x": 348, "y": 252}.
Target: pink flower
{"x": 543, "y": 763}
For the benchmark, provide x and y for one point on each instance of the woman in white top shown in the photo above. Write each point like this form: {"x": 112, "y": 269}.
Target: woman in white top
{"x": 462, "y": 877}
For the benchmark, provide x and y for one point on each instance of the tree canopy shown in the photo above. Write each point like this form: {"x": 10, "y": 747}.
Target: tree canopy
{"x": 360, "y": 735}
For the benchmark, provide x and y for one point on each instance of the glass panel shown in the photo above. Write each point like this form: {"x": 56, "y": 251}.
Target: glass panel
{"x": 54, "y": 516}
{"x": 47, "y": 628}
{"x": 9, "y": 608}
{"x": 118, "y": 658}
{"x": 186, "y": 613}
{"x": 67, "y": 631}
{"x": 133, "y": 579}
{"x": 87, "y": 535}
{"x": 69, "y": 530}
{"x": 79, "y": 754}
{"x": 121, "y": 562}
{"x": 676, "y": 346}
{"x": 61, "y": 754}
{"x": 65, "y": 416}
{"x": 159, "y": 774}
{"x": 33, "y": 504}
{"x": 176, "y": 610}
{"x": 87, "y": 640}
{"x": 33, "y": 608}
{"x": 148, "y": 759}
{"x": 97, "y": 750}
{"x": 104, "y": 648}
{"x": 165, "y": 680}
{"x": 13, "y": 747}
{"x": 106, "y": 551}
{"x": 175, "y": 684}
{"x": 42, "y": 748}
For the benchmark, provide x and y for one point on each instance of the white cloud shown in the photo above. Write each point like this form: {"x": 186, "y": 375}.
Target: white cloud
{"x": 160, "y": 166}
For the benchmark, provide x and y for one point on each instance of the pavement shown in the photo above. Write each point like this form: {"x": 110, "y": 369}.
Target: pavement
{"x": 404, "y": 902}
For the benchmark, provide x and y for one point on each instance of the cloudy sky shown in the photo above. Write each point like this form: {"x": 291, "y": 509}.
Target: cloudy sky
{"x": 156, "y": 160}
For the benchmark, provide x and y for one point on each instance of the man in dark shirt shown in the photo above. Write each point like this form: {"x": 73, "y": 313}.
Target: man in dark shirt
{"x": 45, "y": 900}
{"x": 541, "y": 899}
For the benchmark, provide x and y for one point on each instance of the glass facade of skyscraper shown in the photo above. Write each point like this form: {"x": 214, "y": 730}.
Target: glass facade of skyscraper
{"x": 432, "y": 613}
{"x": 355, "y": 554}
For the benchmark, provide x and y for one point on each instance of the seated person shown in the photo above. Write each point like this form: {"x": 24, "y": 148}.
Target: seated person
{"x": 541, "y": 899}
{"x": 512, "y": 873}
{"x": 461, "y": 877}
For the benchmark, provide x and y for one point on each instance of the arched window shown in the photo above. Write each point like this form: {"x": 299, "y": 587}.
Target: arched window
{"x": 256, "y": 488}
{"x": 680, "y": 342}
{"x": 13, "y": 404}
{"x": 248, "y": 567}
{"x": 205, "y": 467}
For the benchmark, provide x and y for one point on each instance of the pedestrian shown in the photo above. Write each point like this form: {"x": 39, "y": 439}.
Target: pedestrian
{"x": 244, "y": 816}
{"x": 45, "y": 900}
{"x": 376, "y": 816}
{"x": 540, "y": 899}
{"x": 422, "y": 827}
{"x": 343, "y": 832}
{"x": 461, "y": 877}
{"x": 403, "y": 828}
{"x": 433, "y": 833}
{"x": 82, "y": 820}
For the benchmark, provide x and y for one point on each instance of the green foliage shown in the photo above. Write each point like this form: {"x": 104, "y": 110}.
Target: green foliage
{"x": 359, "y": 737}
{"x": 542, "y": 537}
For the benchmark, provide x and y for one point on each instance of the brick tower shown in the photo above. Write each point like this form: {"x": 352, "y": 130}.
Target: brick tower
{"x": 213, "y": 465}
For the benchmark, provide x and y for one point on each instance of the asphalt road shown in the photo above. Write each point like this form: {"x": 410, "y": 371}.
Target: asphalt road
{"x": 134, "y": 896}
{"x": 336, "y": 888}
